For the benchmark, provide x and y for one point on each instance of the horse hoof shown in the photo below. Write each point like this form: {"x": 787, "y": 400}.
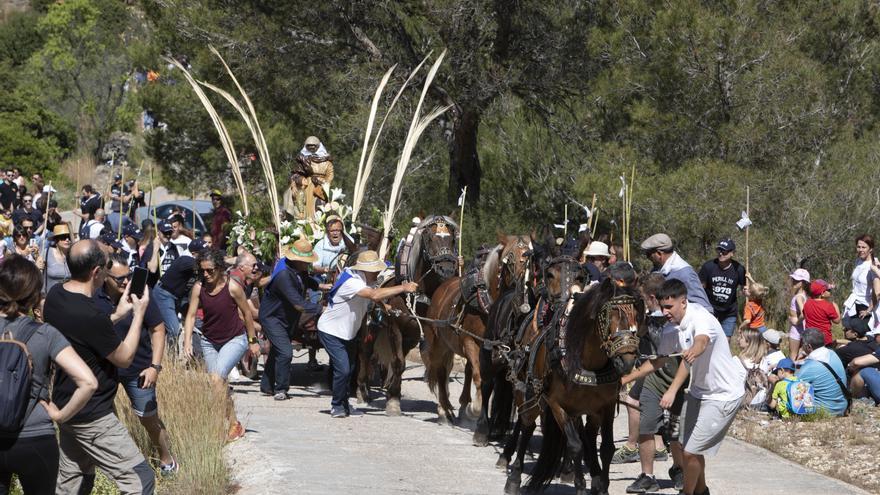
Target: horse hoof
{"x": 511, "y": 487}
{"x": 501, "y": 463}
{"x": 480, "y": 439}
{"x": 392, "y": 408}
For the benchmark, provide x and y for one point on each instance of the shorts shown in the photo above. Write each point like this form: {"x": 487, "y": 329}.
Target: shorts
{"x": 706, "y": 423}
{"x": 728, "y": 324}
{"x": 636, "y": 390}
{"x": 761, "y": 329}
{"x": 220, "y": 359}
{"x": 143, "y": 400}
{"x": 651, "y": 419}
{"x": 794, "y": 333}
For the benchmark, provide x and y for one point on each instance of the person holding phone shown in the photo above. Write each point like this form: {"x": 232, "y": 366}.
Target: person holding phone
{"x": 139, "y": 379}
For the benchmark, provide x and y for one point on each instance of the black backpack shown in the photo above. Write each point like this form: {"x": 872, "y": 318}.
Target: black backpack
{"x": 17, "y": 383}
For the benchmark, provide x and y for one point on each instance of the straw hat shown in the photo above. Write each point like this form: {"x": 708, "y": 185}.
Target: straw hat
{"x": 60, "y": 229}
{"x": 312, "y": 140}
{"x": 597, "y": 248}
{"x": 301, "y": 250}
{"x": 368, "y": 261}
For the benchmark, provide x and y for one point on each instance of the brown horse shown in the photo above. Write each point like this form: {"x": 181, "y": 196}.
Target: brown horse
{"x": 431, "y": 257}
{"x": 577, "y": 372}
{"x": 504, "y": 266}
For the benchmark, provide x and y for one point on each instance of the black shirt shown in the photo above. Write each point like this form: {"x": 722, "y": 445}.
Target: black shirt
{"x": 90, "y": 205}
{"x": 721, "y": 285}
{"x": 91, "y": 334}
{"x": 34, "y": 215}
{"x": 855, "y": 349}
{"x": 176, "y": 279}
{"x": 285, "y": 299}
{"x": 8, "y": 194}
{"x": 143, "y": 357}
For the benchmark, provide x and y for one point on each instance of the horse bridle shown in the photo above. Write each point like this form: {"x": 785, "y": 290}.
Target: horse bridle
{"x": 443, "y": 254}
{"x": 567, "y": 277}
{"x": 612, "y": 343}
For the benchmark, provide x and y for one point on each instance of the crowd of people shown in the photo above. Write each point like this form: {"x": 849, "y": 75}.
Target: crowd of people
{"x": 709, "y": 352}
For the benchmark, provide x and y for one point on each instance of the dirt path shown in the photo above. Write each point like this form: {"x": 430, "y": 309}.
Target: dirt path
{"x": 295, "y": 447}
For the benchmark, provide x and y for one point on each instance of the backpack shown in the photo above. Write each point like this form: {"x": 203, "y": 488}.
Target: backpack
{"x": 17, "y": 383}
{"x": 756, "y": 381}
{"x": 799, "y": 397}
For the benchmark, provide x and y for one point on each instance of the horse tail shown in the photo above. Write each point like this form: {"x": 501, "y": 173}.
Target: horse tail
{"x": 550, "y": 458}
{"x": 439, "y": 367}
{"x": 383, "y": 351}
{"x": 502, "y": 405}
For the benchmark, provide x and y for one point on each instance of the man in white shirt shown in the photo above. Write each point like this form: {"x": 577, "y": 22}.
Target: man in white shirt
{"x": 717, "y": 379}
{"x": 348, "y": 303}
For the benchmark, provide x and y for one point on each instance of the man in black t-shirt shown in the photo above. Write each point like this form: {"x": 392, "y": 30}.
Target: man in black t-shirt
{"x": 95, "y": 437}
{"x": 722, "y": 278}
{"x": 173, "y": 288}
{"x": 89, "y": 203}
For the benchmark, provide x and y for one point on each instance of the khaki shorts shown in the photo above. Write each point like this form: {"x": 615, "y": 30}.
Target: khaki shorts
{"x": 103, "y": 443}
{"x": 706, "y": 423}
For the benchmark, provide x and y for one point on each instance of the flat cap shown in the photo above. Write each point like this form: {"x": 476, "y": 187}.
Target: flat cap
{"x": 660, "y": 242}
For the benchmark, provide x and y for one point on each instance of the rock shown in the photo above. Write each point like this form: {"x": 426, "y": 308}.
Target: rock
{"x": 118, "y": 145}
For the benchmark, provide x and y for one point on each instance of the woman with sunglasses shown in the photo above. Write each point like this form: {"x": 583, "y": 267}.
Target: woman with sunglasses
{"x": 22, "y": 246}
{"x": 225, "y": 337}
{"x": 56, "y": 257}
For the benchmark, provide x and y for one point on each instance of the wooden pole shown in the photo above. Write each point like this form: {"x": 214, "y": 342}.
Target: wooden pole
{"x": 591, "y": 221}
{"x": 461, "y": 227}
{"x": 46, "y": 216}
{"x": 194, "y": 211}
{"x": 565, "y": 224}
{"x": 150, "y": 211}
{"x": 121, "y": 195}
{"x": 747, "y": 230}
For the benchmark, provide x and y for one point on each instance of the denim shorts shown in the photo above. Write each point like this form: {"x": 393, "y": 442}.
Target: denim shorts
{"x": 220, "y": 359}
{"x": 143, "y": 400}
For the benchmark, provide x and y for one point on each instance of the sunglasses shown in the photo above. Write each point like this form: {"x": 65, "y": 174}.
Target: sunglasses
{"x": 723, "y": 251}
{"x": 27, "y": 227}
{"x": 207, "y": 271}
{"x": 62, "y": 237}
{"x": 121, "y": 279}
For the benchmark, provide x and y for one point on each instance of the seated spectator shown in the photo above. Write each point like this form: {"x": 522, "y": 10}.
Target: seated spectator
{"x": 784, "y": 374}
{"x": 774, "y": 355}
{"x": 753, "y": 355}
{"x": 824, "y": 370}
{"x": 865, "y": 372}
{"x": 820, "y": 311}
{"x": 856, "y": 344}
{"x": 32, "y": 452}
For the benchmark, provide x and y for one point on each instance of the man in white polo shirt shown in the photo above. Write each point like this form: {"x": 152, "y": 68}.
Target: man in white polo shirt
{"x": 347, "y": 304}
{"x": 717, "y": 379}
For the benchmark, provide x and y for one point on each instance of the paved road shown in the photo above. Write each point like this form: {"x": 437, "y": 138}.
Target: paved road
{"x": 295, "y": 447}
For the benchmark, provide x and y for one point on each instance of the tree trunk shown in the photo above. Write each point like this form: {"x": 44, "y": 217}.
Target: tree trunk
{"x": 464, "y": 162}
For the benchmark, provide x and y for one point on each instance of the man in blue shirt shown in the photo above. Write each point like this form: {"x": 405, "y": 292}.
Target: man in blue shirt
{"x": 139, "y": 379}
{"x": 828, "y": 389}
{"x": 658, "y": 248}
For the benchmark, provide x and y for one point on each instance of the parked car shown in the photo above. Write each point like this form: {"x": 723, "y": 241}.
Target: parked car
{"x": 200, "y": 224}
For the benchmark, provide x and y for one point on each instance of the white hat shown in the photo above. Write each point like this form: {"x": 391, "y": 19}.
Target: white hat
{"x": 772, "y": 336}
{"x": 597, "y": 248}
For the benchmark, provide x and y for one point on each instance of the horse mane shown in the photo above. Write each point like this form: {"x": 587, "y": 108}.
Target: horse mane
{"x": 492, "y": 264}
{"x": 585, "y": 312}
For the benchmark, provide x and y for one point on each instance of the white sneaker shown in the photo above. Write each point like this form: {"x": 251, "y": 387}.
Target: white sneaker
{"x": 234, "y": 375}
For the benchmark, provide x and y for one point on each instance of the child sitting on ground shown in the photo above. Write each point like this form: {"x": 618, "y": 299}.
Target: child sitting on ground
{"x": 791, "y": 397}
{"x": 774, "y": 355}
{"x": 753, "y": 313}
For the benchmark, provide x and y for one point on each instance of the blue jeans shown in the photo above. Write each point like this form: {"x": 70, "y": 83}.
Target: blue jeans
{"x": 871, "y": 376}
{"x": 220, "y": 359}
{"x": 276, "y": 372}
{"x": 167, "y": 304}
{"x": 728, "y": 324}
{"x": 143, "y": 400}
{"x": 342, "y": 360}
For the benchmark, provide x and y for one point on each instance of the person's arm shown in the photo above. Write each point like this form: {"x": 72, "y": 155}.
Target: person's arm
{"x": 681, "y": 376}
{"x": 794, "y": 315}
{"x": 83, "y": 378}
{"x": 863, "y": 362}
{"x": 153, "y": 264}
{"x": 747, "y": 317}
{"x": 644, "y": 370}
{"x": 701, "y": 342}
{"x": 189, "y": 322}
{"x": 124, "y": 353}
{"x": 284, "y": 284}
{"x": 237, "y": 294}
{"x": 835, "y": 318}
{"x": 378, "y": 295}
{"x": 157, "y": 344}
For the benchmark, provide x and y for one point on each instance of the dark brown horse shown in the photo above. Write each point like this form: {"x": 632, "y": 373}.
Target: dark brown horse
{"x": 504, "y": 266}
{"x": 430, "y": 258}
{"x": 577, "y": 372}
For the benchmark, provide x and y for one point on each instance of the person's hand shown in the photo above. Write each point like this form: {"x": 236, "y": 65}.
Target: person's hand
{"x": 667, "y": 400}
{"x": 151, "y": 376}
{"x": 626, "y": 379}
{"x": 254, "y": 349}
{"x": 139, "y": 304}
{"x": 188, "y": 348}
{"x": 689, "y": 355}
{"x": 410, "y": 287}
{"x": 864, "y": 313}
{"x": 325, "y": 287}
{"x": 53, "y": 411}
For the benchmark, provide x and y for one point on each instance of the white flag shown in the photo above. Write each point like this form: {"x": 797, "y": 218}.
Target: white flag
{"x": 461, "y": 198}
{"x": 582, "y": 227}
{"x": 744, "y": 222}
{"x": 622, "y": 187}
{"x": 559, "y": 226}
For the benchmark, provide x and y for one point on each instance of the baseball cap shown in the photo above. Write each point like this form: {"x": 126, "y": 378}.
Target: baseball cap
{"x": 216, "y": 192}
{"x": 117, "y": 177}
{"x": 148, "y": 222}
{"x": 131, "y": 230}
{"x": 784, "y": 364}
{"x": 659, "y": 241}
{"x": 165, "y": 226}
{"x": 772, "y": 336}
{"x": 727, "y": 244}
{"x": 818, "y": 287}
{"x": 800, "y": 275}
{"x": 196, "y": 246}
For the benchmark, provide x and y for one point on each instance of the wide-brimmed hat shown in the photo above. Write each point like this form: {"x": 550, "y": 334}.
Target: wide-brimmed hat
{"x": 597, "y": 248}
{"x": 368, "y": 261}
{"x": 301, "y": 250}
{"x": 61, "y": 229}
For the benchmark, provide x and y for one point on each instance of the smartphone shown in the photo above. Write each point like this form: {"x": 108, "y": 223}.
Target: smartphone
{"x": 138, "y": 281}
{"x": 33, "y": 242}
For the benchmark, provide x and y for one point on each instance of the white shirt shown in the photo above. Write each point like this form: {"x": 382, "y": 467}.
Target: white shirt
{"x": 95, "y": 227}
{"x": 343, "y": 319}
{"x": 859, "y": 287}
{"x": 182, "y": 244}
{"x": 716, "y": 374}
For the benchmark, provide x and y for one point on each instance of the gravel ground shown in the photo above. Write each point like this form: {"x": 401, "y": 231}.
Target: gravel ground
{"x": 295, "y": 447}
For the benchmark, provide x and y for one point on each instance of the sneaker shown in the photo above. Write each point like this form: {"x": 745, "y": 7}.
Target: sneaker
{"x": 236, "y": 431}
{"x": 625, "y": 455}
{"x": 676, "y": 474}
{"x": 643, "y": 484}
{"x": 338, "y": 412}
{"x": 281, "y": 396}
{"x": 169, "y": 470}
{"x": 661, "y": 454}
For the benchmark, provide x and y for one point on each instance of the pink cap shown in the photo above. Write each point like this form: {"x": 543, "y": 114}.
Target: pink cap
{"x": 801, "y": 275}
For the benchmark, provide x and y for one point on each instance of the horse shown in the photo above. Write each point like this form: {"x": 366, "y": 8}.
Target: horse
{"x": 430, "y": 257}
{"x": 450, "y": 314}
{"x": 574, "y": 373}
